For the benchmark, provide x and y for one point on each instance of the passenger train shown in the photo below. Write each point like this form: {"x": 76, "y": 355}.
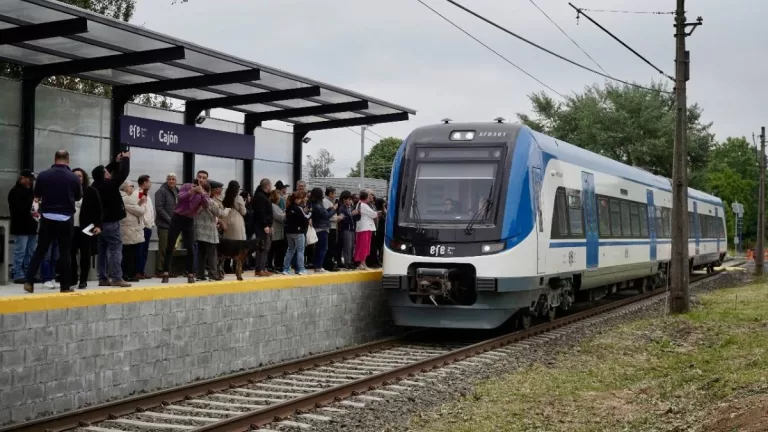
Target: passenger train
{"x": 494, "y": 222}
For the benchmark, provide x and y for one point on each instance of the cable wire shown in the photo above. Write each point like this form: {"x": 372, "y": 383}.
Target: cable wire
{"x": 629, "y": 12}
{"x": 371, "y": 131}
{"x": 566, "y": 35}
{"x": 358, "y": 134}
{"x": 580, "y": 11}
{"x": 491, "y": 49}
{"x": 548, "y": 51}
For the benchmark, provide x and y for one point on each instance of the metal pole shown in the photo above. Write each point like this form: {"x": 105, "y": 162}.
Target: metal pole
{"x": 362, "y": 156}
{"x": 678, "y": 286}
{"x": 761, "y": 209}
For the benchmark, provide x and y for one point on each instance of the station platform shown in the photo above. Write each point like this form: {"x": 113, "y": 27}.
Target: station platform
{"x": 62, "y": 351}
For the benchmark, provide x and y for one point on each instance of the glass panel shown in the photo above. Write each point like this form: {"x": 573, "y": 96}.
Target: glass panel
{"x": 27, "y": 56}
{"x": 85, "y": 151}
{"x": 278, "y": 82}
{"x": 310, "y": 119}
{"x": 5, "y": 25}
{"x": 123, "y": 39}
{"x": 238, "y": 89}
{"x": 74, "y": 47}
{"x": 574, "y": 213}
{"x": 10, "y": 142}
{"x": 452, "y": 192}
{"x": 562, "y": 217}
{"x": 625, "y": 225}
{"x": 296, "y": 103}
{"x": 210, "y": 64}
{"x": 376, "y": 109}
{"x": 222, "y": 125}
{"x": 165, "y": 70}
{"x": 335, "y": 97}
{"x": 112, "y": 75}
{"x": 604, "y": 215}
{"x": 345, "y": 115}
{"x": 157, "y": 164}
{"x": 274, "y": 171}
{"x": 72, "y": 113}
{"x": 644, "y": 221}
{"x": 272, "y": 145}
{"x": 219, "y": 169}
{"x": 615, "y": 219}
{"x": 10, "y": 113}
{"x": 144, "y": 111}
{"x": 634, "y": 219}
{"x": 666, "y": 221}
{"x": 659, "y": 225}
{"x": 29, "y": 12}
{"x": 194, "y": 94}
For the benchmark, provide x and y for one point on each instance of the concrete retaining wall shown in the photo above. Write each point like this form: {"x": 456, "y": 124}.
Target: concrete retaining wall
{"x": 62, "y": 359}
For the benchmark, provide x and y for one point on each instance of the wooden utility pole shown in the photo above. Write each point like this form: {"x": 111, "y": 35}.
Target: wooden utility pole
{"x": 761, "y": 208}
{"x": 679, "y": 301}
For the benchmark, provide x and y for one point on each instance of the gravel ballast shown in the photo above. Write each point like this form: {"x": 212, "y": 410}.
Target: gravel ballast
{"x": 394, "y": 412}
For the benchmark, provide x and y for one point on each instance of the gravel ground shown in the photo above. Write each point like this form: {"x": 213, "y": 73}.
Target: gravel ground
{"x": 394, "y": 413}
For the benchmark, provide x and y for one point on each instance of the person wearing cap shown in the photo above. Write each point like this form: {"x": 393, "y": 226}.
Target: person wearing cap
{"x": 107, "y": 180}
{"x": 58, "y": 188}
{"x": 282, "y": 189}
{"x": 23, "y": 223}
{"x": 207, "y": 233}
{"x": 192, "y": 199}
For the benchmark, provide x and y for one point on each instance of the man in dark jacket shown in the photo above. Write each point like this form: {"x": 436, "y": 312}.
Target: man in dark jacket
{"x": 166, "y": 198}
{"x": 262, "y": 225}
{"x": 23, "y": 224}
{"x": 58, "y": 188}
{"x": 107, "y": 180}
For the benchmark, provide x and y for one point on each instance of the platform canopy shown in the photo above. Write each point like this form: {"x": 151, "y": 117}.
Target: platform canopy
{"x": 50, "y": 38}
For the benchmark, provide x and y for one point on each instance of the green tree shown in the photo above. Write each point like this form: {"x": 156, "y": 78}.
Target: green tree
{"x": 732, "y": 174}
{"x": 320, "y": 166}
{"x": 117, "y": 9}
{"x": 378, "y": 162}
{"x": 632, "y": 125}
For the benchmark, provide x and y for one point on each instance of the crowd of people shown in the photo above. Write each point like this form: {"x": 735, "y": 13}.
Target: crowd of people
{"x": 62, "y": 217}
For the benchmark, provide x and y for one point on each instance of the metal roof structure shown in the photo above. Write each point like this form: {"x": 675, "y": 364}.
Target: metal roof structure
{"x": 49, "y": 38}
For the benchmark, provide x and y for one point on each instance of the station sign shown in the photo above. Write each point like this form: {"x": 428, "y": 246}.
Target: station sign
{"x": 160, "y": 135}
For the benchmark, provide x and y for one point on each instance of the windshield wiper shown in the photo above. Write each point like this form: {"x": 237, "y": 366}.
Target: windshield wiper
{"x": 470, "y": 228}
{"x": 415, "y": 214}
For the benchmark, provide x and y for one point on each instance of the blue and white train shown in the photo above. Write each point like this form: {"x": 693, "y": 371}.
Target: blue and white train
{"x": 493, "y": 221}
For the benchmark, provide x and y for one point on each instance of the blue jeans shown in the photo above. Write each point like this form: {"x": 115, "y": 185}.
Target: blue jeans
{"x": 23, "y": 248}
{"x": 295, "y": 246}
{"x": 320, "y": 249}
{"x": 110, "y": 252}
{"x": 142, "y": 252}
{"x": 48, "y": 266}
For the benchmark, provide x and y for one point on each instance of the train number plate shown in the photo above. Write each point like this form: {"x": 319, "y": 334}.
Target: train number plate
{"x": 441, "y": 250}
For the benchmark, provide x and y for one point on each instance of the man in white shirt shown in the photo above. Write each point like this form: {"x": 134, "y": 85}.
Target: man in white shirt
{"x": 149, "y": 223}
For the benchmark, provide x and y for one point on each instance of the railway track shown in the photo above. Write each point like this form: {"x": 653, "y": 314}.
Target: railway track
{"x": 279, "y": 396}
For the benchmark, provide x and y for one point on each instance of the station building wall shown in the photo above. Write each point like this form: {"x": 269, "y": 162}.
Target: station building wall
{"x": 80, "y": 123}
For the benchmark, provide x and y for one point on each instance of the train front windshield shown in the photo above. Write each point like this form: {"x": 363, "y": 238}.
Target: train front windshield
{"x": 453, "y": 192}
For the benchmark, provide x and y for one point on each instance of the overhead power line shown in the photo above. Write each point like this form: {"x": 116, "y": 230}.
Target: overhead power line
{"x": 581, "y": 12}
{"x": 548, "y": 51}
{"x": 628, "y": 12}
{"x": 566, "y": 35}
{"x": 491, "y": 49}
{"x": 374, "y": 133}
{"x": 358, "y": 134}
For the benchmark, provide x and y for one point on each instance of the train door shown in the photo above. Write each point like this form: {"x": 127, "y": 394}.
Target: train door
{"x": 589, "y": 203}
{"x": 697, "y": 229}
{"x": 651, "y": 223}
{"x": 542, "y": 241}
{"x": 717, "y": 231}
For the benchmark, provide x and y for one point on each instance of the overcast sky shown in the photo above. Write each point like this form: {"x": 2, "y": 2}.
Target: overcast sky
{"x": 399, "y": 51}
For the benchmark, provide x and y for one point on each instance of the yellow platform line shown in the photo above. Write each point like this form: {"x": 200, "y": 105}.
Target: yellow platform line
{"x": 38, "y": 302}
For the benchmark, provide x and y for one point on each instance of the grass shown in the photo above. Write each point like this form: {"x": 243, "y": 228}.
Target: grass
{"x": 690, "y": 372}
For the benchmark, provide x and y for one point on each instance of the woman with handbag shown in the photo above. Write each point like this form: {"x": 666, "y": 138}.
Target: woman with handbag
{"x": 131, "y": 229}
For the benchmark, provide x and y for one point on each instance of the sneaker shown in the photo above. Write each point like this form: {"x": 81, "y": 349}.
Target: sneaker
{"x": 121, "y": 284}
{"x": 302, "y": 273}
{"x": 49, "y": 285}
{"x": 321, "y": 270}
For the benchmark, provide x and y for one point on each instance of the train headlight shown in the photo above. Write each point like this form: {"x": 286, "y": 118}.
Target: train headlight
{"x": 492, "y": 248}
{"x": 403, "y": 247}
{"x": 462, "y": 135}
{"x": 399, "y": 247}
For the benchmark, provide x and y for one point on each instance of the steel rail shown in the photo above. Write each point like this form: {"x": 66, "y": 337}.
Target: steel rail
{"x": 97, "y": 413}
{"x": 278, "y": 412}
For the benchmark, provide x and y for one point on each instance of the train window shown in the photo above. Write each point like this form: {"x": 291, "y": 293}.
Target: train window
{"x": 560, "y": 213}
{"x": 702, "y": 226}
{"x": 658, "y": 225}
{"x": 720, "y": 229}
{"x": 643, "y": 221}
{"x": 574, "y": 213}
{"x": 666, "y": 221}
{"x": 615, "y": 219}
{"x": 634, "y": 218}
{"x": 690, "y": 225}
{"x": 605, "y": 217}
{"x": 625, "y": 225}
{"x": 711, "y": 226}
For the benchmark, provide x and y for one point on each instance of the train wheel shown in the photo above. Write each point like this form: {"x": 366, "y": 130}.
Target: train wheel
{"x": 524, "y": 319}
